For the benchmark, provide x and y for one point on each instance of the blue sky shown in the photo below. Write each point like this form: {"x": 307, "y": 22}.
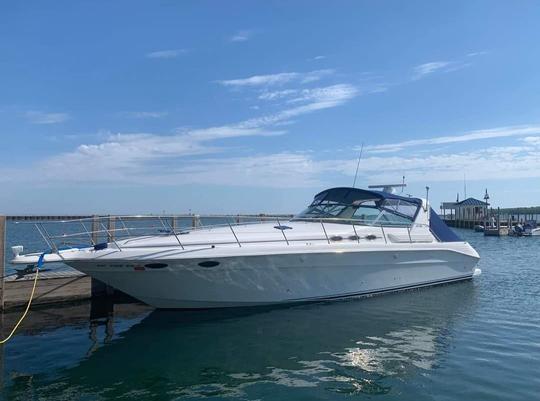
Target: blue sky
{"x": 132, "y": 107}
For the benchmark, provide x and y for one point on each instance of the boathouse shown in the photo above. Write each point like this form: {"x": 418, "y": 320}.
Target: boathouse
{"x": 465, "y": 213}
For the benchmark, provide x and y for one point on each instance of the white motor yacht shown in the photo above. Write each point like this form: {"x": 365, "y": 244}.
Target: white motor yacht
{"x": 348, "y": 242}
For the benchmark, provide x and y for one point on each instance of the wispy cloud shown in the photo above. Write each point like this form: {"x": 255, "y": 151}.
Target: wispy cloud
{"x": 139, "y": 156}
{"x": 241, "y": 36}
{"x": 148, "y": 157}
{"x": 294, "y": 169}
{"x": 509, "y": 161}
{"x": 319, "y": 99}
{"x": 478, "y": 53}
{"x": 275, "y": 95}
{"x": 276, "y": 170}
{"x": 144, "y": 114}
{"x": 423, "y": 70}
{"x": 291, "y": 96}
{"x": 165, "y": 54}
{"x": 39, "y": 117}
{"x": 475, "y": 135}
{"x": 276, "y": 79}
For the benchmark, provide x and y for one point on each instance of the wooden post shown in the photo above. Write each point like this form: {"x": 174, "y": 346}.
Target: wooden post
{"x": 95, "y": 229}
{"x": 110, "y": 229}
{"x": 97, "y": 287}
{"x": 2, "y": 258}
{"x": 2, "y": 273}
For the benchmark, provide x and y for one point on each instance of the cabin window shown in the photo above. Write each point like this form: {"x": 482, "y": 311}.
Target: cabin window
{"x": 366, "y": 211}
{"x": 389, "y": 218}
{"x": 400, "y": 208}
{"x": 324, "y": 209}
{"x": 362, "y": 210}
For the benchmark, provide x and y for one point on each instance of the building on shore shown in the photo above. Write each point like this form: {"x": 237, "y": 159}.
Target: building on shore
{"x": 465, "y": 213}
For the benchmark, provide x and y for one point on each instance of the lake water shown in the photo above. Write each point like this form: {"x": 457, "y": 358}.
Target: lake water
{"x": 477, "y": 340}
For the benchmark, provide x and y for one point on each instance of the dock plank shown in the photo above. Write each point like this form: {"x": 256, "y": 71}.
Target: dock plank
{"x": 48, "y": 289}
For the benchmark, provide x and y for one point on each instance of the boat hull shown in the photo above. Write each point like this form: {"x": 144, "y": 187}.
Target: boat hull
{"x": 251, "y": 280}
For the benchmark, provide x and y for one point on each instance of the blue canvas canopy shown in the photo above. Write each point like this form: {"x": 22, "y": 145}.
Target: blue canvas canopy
{"x": 347, "y": 195}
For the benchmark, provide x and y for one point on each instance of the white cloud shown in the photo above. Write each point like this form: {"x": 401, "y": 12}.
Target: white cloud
{"x": 39, "y": 117}
{"x": 146, "y": 157}
{"x": 165, "y": 54}
{"x": 275, "y": 95}
{"x": 509, "y": 162}
{"x": 321, "y": 98}
{"x": 532, "y": 140}
{"x": 133, "y": 157}
{"x": 313, "y": 94}
{"x": 279, "y": 170}
{"x": 241, "y": 36}
{"x": 423, "y": 70}
{"x": 145, "y": 114}
{"x": 276, "y": 79}
{"x": 429, "y": 68}
{"x": 478, "y": 53}
{"x": 499, "y": 132}
{"x": 191, "y": 156}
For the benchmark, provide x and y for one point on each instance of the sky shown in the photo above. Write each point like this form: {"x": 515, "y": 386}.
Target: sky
{"x": 255, "y": 106}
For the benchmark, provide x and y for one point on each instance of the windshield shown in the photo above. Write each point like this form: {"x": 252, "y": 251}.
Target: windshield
{"x": 369, "y": 211}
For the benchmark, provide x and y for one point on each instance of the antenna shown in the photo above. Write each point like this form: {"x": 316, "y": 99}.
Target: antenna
{"x": 403, "y": 184}
{"x": 358, "y": 164}
{"x": 464, "y": 187}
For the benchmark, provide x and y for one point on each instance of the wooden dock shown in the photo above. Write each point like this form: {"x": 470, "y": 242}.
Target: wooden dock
{"x": 53, "y": 287}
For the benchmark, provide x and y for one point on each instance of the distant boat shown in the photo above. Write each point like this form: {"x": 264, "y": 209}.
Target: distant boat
{"x": 348, "y": 242}
{"x": 530, "y": 228}
{"x": 479, "y": 228}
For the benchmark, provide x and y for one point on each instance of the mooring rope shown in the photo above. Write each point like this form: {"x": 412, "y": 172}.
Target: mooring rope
{"x": 38, "y": 266}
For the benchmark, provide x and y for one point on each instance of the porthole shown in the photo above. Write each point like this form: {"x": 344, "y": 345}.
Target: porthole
{"x": 209, "y": 263}
{"x": 282, "y": 228}
{"x": 156, "y": 265}
{"x": 336, "y": 238}
{"x": 371, "y": 237}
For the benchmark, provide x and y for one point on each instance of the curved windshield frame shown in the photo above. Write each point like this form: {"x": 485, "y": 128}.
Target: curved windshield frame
{"x": 385, "y": 212}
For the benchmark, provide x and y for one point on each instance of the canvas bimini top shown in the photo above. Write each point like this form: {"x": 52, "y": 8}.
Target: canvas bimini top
{"x": 363, "y": 206}
{"x": 349, "y": 195}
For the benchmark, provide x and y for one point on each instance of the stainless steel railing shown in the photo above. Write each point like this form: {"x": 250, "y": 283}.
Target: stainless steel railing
{"x": 119, "y": 230}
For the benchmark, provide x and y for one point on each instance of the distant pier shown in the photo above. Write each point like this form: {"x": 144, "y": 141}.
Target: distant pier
{"x": 45, "y": 217}
{"x": 472, "y": 213}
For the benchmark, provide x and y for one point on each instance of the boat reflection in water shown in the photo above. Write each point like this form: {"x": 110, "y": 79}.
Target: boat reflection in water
{"x": 375, "y": 346}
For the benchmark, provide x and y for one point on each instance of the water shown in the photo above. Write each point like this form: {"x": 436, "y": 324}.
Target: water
{"x": 477, "y": 340}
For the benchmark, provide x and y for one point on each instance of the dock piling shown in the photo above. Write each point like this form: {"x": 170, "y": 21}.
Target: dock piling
{"x": 95, "y": 229}
{"x": 2, "y": 258}
{"x": 110, "y": 228}
{"x": 97, "y": 287}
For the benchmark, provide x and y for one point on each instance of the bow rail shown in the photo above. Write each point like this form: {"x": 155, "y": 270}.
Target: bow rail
{"x": 93, "y": 231}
